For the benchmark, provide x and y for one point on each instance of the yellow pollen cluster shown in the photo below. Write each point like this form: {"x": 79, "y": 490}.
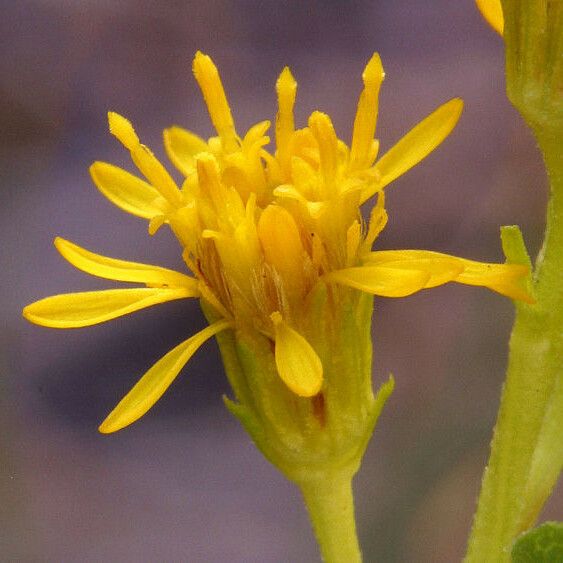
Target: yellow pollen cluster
{"x": 260, "y": 230}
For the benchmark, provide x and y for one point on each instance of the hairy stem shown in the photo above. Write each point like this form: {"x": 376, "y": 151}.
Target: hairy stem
{"x": 527, "y": 451}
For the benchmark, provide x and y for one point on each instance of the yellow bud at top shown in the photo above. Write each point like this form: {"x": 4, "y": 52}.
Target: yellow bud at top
{"x": 209, "y": 81}
{"x": 366, "y": 115}
{"x": 286, "y": 88}
{"x": 373, "y": 74}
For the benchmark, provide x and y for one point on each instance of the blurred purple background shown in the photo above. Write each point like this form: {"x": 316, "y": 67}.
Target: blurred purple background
{"x": 185, "y": 483}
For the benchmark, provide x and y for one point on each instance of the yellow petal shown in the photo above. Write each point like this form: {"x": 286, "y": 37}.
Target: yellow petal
{"x": 304, "y": 178}
{"x": 256, "y": 136}
{"x": 441, "y": 269}
{"x": 366, "y": 115}
{"x": 506, "y": 279}
{"x": 314, "y": 208}
{"x": 156, "y": 222}
{"x": 156, "y": 174}
{"x": 298, "y": 364}
{"x": 492, "y": 12}
{"x": 323, "y": 131}
{"x": 209, "y": 179}
{"x": 353, "y": 239}
{"x": 144, "y": 159}
{"x": 380, "y": 280}
{"x": 286, "y": 88}
{"x": 128, "y": 192}
{"x": 417, "y": 144}
{"x": 146, "y": 392}
{"x": 75, "y": 310}
{"x": 377, "y": 221}
{"x": 123, "y": 130}
{"x": 209, "y": 81}
{"x": 281, "y": 243}
{"x": 122, "y": 270}
{"x": 182, "y": 146}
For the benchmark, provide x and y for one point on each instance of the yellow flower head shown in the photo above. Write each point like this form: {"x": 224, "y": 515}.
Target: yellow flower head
{"x": 262, "y": 231}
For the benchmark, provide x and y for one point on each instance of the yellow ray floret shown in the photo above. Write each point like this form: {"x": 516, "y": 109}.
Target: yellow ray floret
{"x": 381, "y": 280}
{"x": 298, "y": 364}
{"x": 77, "y": 310}
{"x": 441, "y": 270}
{"x": 321, "y": 126}
{"x": 506, "y": 279}
{"x": 211, "y": 86}
{"x": 286, "y": 88}
{"x": 144, "y": 159}
{"x": 123, "y": 270}
{"x": 281, "y": 243}
{"x": 182, "y": 146}
{"x": 148, "y": 390}
{"x": 128, "y": 192}
{"x": 417, "y": 144}
{"x": 361, "y": 150}
{"x": 492, "y": 12}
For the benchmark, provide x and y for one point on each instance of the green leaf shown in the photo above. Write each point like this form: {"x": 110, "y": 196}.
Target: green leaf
{"x": 514, "y": 246}
{"x": 540, "y": 545}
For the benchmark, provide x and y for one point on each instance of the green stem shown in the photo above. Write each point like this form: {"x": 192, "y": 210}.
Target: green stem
{"x": 330, "y": 503}
{"x": 547, "y": 460}
{"x": 526, "y": 451}
{"x": 536, "y": 350}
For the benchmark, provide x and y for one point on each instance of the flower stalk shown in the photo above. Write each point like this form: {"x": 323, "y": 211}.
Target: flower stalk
{"x": 330, "y": 504}
{"x": 527, "y": 450}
